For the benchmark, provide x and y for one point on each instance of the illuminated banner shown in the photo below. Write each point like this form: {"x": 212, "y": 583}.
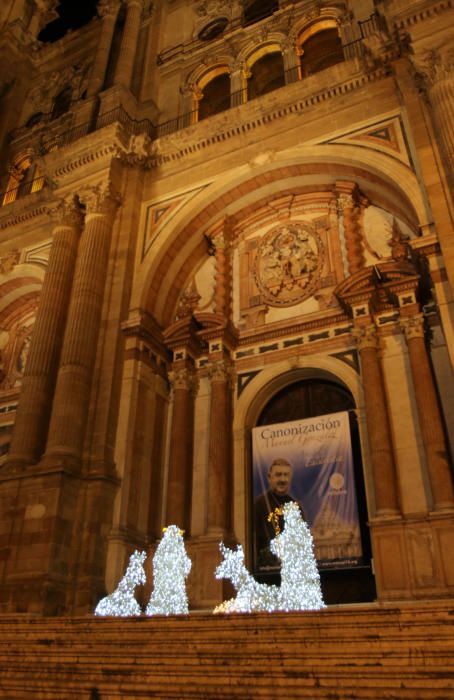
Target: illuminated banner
{"x": 308, "y": 461}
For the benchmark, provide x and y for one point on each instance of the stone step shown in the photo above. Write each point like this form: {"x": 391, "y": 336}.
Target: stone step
{"x": 335, "y": 654}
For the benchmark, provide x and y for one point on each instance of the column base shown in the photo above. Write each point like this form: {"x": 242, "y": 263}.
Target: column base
{"x": 204, "y": 590}
{"x": 444, "y": 506}
{"x": 412, "y": 556}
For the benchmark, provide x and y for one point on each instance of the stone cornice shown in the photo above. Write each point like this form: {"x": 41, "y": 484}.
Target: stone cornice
{"x": 33, "y": 209}
{"x": 91, "y": 152}
{"x": 406, "y": 14}
{"x": 282, "y": 330}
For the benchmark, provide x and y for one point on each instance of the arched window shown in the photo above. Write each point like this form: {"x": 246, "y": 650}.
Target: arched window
{"x": 216, "y": 96}
{"x": 255, "y": 10}
{"x": 266, "y": 74}
{"x": 24, "y": 179}
{"x": 320, "y": 50}
{"x": 62, "y": 102}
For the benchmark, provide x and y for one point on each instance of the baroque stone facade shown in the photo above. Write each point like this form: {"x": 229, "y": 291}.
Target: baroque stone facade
{"x": 202, "y": 209}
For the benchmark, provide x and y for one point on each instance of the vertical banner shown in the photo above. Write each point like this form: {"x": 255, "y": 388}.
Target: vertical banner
{"x": 309, "y": 461}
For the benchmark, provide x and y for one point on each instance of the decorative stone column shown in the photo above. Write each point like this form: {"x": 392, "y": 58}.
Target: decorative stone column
{"x": 179, "y": 483}
{"x": 30, "y": 428}
{"x": 125, "y": 64}
{"x": 430, "y": 418}
{"x": 438, "y": 70}
{"x": 291, "y": 59}
{"x": 108, "y": 9}
{"x": 381, "y": 449}
{"x": 220, "y": 452}
{"x": 238, "y": 84}
{"x": 69, "y": 411}
{"x": 352, "y": 230}
{"x": 223, "y": 290}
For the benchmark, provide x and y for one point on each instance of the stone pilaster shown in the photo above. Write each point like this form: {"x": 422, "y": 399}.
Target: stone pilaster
{"x": 38, "y": 383}
{"x": 438, "y": 72}
{"x": 430, "y": 418}
{"x": 125, "y": 64}
{"x": 220, "y": 451}
{"x": 108, "y": 9}
{"x": 378, "y": 427}
{"x": 69, "y": 411}
{"x": 179, "y": 483}
{"x": 352, "y": 229}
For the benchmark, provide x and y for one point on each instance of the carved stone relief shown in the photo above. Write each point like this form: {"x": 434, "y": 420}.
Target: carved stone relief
{"x": 288, "y": 263}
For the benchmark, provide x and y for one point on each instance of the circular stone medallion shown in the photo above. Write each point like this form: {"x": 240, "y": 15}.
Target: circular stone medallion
{"x": 288, "y": 263}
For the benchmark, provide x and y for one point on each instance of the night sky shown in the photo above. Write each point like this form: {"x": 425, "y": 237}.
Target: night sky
{"x": 72, "y": 15}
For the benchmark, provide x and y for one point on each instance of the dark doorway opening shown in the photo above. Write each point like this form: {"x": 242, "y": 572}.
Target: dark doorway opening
{"x": 309, "y": 398}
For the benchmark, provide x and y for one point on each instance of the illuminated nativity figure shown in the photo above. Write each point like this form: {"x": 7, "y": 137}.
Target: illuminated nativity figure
{"x": 122, "y": 602}
{"x": 171, "y": 566}
{"x": 300, "y": 580}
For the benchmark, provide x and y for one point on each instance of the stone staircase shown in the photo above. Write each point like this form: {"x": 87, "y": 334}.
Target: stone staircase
{"x": 358, "y": 651}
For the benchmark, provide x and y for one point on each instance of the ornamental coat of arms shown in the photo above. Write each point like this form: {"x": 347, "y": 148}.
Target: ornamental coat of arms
{"x": 288, "y": 264}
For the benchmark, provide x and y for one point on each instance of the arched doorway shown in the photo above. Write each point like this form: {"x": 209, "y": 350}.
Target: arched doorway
{"x": 345, "y": 578}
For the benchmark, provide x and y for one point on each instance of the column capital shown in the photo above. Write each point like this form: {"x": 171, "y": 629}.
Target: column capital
{"x": 134, "y": 3}
{"x": 108, "y": 8}
{"x": 220, "y": 371}
{"x": 366, "y": 337}
{"x": 100, "y": 199}
{"x": 436, "y": 66}
{"x": 67, "y": 213}
{"x": 345, "y": 201}
{"x": 183, "y": 378}
{"x": 413, "y": 326}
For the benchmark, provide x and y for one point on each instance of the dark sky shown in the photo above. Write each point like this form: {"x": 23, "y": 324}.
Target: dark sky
{"x": 72, "y": 15}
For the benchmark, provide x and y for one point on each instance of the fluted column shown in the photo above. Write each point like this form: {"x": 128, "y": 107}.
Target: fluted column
{"x": 291, "y": 60}
{"x": 108, "y": 9}
{"x": 352, "y": 229}
{"x": 238, "y": 84}
{"x": 220, "y": 452}
{"x": 439, "y": 74}
{"x": 179, "y": 484}
{"x": 430, "y": 418}
{"x": 38, "y": 383}
{"x": 72, "y": 394}
{"x": 381, "y": 449}
{"x": 125, "y": 64}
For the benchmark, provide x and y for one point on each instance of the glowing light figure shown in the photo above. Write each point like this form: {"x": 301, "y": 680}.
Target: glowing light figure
{"x": 171, "y": 566}
{"x": 251, "y": 596}
{"x": 122, "y": 602}
{"x": 300, "y": 581}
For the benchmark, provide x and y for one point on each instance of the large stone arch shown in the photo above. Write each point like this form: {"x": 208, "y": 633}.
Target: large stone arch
{"x": 179, "y": 249}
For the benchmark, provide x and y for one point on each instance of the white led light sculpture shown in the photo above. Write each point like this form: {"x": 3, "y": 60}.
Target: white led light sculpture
{"x": 251, "y": 596}
{"x": 300, "y": 580}
{"x": 122, "y": 603}
{"x": 171, "y": 566}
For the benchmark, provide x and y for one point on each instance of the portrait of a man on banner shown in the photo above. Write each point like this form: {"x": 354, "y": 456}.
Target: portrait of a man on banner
{"x": 310, "y": 462}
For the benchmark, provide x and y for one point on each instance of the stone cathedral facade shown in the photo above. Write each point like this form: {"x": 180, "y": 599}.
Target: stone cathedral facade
{"x": 217, "y": 215}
